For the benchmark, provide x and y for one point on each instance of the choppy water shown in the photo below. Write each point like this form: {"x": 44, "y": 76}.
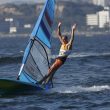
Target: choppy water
{"x": 82, "y": 83}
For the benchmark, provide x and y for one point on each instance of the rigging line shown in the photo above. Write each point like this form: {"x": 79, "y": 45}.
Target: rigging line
{"x": 32, "y": 43}
{"x": 45, "y": 52}
{"x": 27, "y": 77}
{"x": 36, "y": 65}
{"x": 39, "y": 51}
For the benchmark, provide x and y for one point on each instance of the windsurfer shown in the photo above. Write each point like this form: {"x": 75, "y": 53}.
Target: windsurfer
{"x": 65, "y": 50}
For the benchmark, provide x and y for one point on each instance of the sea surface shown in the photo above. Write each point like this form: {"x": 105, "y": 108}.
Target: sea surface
{"x": 82, "y": 83}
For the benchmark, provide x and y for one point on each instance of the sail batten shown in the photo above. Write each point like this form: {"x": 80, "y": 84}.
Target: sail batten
{"x": 36, "y": 58}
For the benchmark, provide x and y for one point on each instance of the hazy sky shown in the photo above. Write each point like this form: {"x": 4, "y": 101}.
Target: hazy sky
{"x": 8, "y": 1}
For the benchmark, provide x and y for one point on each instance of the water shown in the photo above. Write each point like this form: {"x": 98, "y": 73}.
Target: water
{"x": 82, "y": 83}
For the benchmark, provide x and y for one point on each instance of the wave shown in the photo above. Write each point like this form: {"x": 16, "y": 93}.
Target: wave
{"x": 86, "y": 55}
{"x": 17, "y": 57}
{"x": 79, "y": 89}
{"x": 11, "y": 58}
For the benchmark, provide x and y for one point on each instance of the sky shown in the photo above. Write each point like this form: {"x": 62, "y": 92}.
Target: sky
{"x": 26, "y": 1}
{"x": 29, "y": 1}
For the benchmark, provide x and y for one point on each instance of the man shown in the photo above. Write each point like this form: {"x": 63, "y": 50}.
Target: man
{"x": 65, "y": 50}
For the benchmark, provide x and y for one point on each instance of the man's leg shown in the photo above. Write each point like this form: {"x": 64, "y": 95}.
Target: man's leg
{"x": 55, "y": 66}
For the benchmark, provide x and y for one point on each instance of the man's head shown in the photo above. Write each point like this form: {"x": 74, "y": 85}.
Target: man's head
{"x": 65, "y": 39}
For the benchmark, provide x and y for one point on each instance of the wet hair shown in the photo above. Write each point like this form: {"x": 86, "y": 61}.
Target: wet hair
{"x": 65, "y": 37}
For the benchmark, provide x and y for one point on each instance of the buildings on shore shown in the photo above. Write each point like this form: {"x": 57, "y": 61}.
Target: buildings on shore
{"x": 99, "y": 2}
{"x": 103, "y": 18}
{"x": 12, "y": 25}
{"x": 100, "y": 19}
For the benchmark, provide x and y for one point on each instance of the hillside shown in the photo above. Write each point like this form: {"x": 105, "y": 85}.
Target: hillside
{"x": 67, "y": 12}
{"x": 75, "y": 12}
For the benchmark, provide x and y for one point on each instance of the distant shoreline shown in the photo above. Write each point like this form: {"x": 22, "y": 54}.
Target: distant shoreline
{"x": 90, "y": 34}
{"x": 81, "y": 33}
{"x": 86, "y": 34}
{"x": 13, "y": 35}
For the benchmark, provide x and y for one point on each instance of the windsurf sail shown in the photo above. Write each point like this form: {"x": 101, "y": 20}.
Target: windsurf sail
{"x": 36, "y": 58}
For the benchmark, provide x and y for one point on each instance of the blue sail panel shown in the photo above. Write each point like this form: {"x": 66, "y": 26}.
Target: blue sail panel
{"x": 26, "y": 78}
{"x": 47, "y": 25}
{"x": 27, "y": 51}
{"x": 47, "y": 14}
{"x": 50, "y": 10}
{"x": 44, "y": 38}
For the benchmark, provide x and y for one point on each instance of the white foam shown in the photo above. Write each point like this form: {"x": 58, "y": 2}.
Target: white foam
{"x": 78, "y": 89}
{"x": 83, "y": 54}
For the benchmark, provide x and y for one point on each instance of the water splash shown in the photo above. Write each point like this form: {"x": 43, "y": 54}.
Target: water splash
{"x": 79, "y": 89}
{"x": 84, "y": 55}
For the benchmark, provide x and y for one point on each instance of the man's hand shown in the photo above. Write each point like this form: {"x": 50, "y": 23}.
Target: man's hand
{"x": 74, "y": 27}
{"x": 59, "y": 24}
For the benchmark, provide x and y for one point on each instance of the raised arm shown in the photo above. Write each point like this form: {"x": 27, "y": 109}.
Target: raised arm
{"x": 59, "y": 32}
{"x": 72, "y": 36}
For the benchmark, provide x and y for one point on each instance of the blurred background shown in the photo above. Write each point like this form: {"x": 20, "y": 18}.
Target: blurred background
{"x": 92, "y": 16}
